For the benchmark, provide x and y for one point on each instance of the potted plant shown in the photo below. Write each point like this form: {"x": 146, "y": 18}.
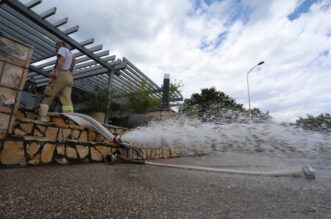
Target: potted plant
{"x": 96, "y": 104}
{"x": 141, "y": 102}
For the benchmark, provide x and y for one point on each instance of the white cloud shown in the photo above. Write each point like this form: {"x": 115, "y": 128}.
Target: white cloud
{"x": 166, "y": 36}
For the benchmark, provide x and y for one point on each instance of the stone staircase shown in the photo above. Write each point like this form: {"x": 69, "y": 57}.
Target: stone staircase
{"x": 34, "y": 142}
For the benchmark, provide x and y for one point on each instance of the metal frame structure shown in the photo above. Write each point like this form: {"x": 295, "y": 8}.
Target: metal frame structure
{"x": 95, "y": 67}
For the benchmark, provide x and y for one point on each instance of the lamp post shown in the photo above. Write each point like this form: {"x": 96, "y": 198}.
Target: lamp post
{"x": 249, "y": 99}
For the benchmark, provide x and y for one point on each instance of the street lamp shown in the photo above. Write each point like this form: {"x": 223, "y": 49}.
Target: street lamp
{"x": 249, "y": 99}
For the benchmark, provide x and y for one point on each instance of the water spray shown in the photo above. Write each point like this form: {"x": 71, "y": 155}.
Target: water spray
{"x": 109, "y": 158}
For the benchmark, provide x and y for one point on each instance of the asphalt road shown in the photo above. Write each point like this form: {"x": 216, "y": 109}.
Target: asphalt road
{"x": 96, "y": 190}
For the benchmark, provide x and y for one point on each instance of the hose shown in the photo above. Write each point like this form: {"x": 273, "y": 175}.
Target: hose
{"x": 306, "y": 170}
{"x": 91, "y": 123}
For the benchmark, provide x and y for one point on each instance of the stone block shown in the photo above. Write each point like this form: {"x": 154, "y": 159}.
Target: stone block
{"x": 71, "y": 153}
{"x": 95, "y": 155}
{"x": 75, "y": 134}
{"x": 2, "y": 134}
{"x": 12, "y": 76}
{"x": 60, "y": 149}
{"x": 51, "y": 132}
{"x": 7, "y": 96}
{"x": 166, "y": 153}
{"x": 83, "y": 151}
{"x": 83, "y": 136}
{"x": 148, "y": 152}
{"x": 37, "y": 133}
{"x": 123, "y": 152}
{"x": 47, "y": 153}
{"x": 92, "y": 136}
{"x": 155, "y": 154}
{"x": 100, "y": 138}
{"x": 103, "y": 149}
{"x": 6, "y": 109}
{"x": 72, "y": 123}
{"x": 32, "y": 149}
{"x": 14, "y": 51}
{"x": 57, "y": 120}
{"x": 19, "y": 132}
{"x": 35, "y": 160}
{"x": 26, "y": 127}
{"x": 19, "y": 115}
{"x": 4, "y": 121}
{"x": 12, "y": 153}
{"x": 65, "y": 133}
{"x": 41, "y": 128}
{"x": 30, "y": 115}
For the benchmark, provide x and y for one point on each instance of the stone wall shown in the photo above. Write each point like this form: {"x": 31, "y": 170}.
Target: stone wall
{"x": 35, "y": 142}
{"x": 15, "y": 58}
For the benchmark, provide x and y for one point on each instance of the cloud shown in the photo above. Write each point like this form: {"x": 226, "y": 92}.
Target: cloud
{"x": 214, "y": 43}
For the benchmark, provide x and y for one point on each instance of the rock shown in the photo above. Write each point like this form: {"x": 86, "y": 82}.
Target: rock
{"x": 61, "y": 160}
{"x": 12, "y": 75}
{"x": 35, "y": 160}
{"x": 19, "y": 132}
{"x": 47, "y": 153}
{"x": 60, "y": 149}
{"x": 95, "y": 155}
{"x": 166, "y": 153}
{"x": 32, "y": 149}
{"x": 51, "y": 132}
{"x": 92, "y": 136}
{"x": 12, "y": 152}
{"x": 7, "y": 96}
{"x": 26, "y": 127}
{"x": 103, "y": 149}
{"x": 82, "y": 151}
{"x": 75, "y": 134}
{"x": 83, "y": 136}
{"x": 41, "y": 128}
{"x": 65, "y": 133}
{"x": 71, "y": 153}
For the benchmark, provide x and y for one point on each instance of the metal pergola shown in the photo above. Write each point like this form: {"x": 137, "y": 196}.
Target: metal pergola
{"x": 95, "y": 66}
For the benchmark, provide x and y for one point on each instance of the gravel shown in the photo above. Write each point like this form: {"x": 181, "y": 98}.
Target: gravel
{"x": 96, "y": 190}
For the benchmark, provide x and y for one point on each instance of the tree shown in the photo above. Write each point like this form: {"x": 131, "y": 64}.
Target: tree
{"x": 97, "y": 101}
{"x": 142, "y": 101}
{"x": 320, "y": 123}
{"x": 211, "y": 104}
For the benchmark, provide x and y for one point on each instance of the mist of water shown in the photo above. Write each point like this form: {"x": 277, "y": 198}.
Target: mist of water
{"x": 189, "y": 136}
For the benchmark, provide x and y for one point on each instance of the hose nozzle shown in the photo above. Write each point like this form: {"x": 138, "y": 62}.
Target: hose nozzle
{"x": 117, "y": 139}
{"x": 309, "y": 172}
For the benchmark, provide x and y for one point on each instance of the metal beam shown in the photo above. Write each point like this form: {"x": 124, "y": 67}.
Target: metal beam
{"x": 93, "y": 49}
{"x": 32, "y": 3}
{"x": 48, "y": 13}
{"x": 71, "y": 30}
{"x": 47, "y": 26}
{"x": 60, "y": 22}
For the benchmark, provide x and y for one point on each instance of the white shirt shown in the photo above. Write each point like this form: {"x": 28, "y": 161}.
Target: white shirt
{"x": 64, "y": 52}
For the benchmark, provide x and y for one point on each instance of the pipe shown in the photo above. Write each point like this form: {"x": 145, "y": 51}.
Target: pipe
{"x": 89, "y": 122}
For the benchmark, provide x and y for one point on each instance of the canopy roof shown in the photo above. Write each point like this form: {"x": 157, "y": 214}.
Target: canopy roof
{"x": 95, "y": 66}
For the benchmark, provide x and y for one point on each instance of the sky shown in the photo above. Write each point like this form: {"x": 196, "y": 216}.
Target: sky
{"x": 214, "y": 43}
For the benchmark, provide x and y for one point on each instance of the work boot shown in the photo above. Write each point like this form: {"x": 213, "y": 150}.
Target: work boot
{"x": 43, "y": 110}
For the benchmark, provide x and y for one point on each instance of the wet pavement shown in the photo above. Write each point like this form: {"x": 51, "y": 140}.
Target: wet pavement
{"x": 96, "y": 190}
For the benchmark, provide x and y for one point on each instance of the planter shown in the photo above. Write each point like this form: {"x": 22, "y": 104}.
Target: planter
{"x": 136, "y": 120}
{"x": 99, "y": 116}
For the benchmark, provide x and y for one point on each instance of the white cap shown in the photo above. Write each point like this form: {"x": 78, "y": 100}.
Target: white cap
{"x": 166, "y": 76}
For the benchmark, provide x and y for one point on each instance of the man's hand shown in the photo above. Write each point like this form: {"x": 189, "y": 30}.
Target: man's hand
{"x": 54, "y": 74}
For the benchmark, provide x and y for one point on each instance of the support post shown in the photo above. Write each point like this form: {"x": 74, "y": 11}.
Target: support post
{"x": 109, "y": 88}
{"x": 165, "y": 96}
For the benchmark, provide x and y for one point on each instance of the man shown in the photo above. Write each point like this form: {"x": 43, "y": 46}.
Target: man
{"x": 62, "y": 79}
